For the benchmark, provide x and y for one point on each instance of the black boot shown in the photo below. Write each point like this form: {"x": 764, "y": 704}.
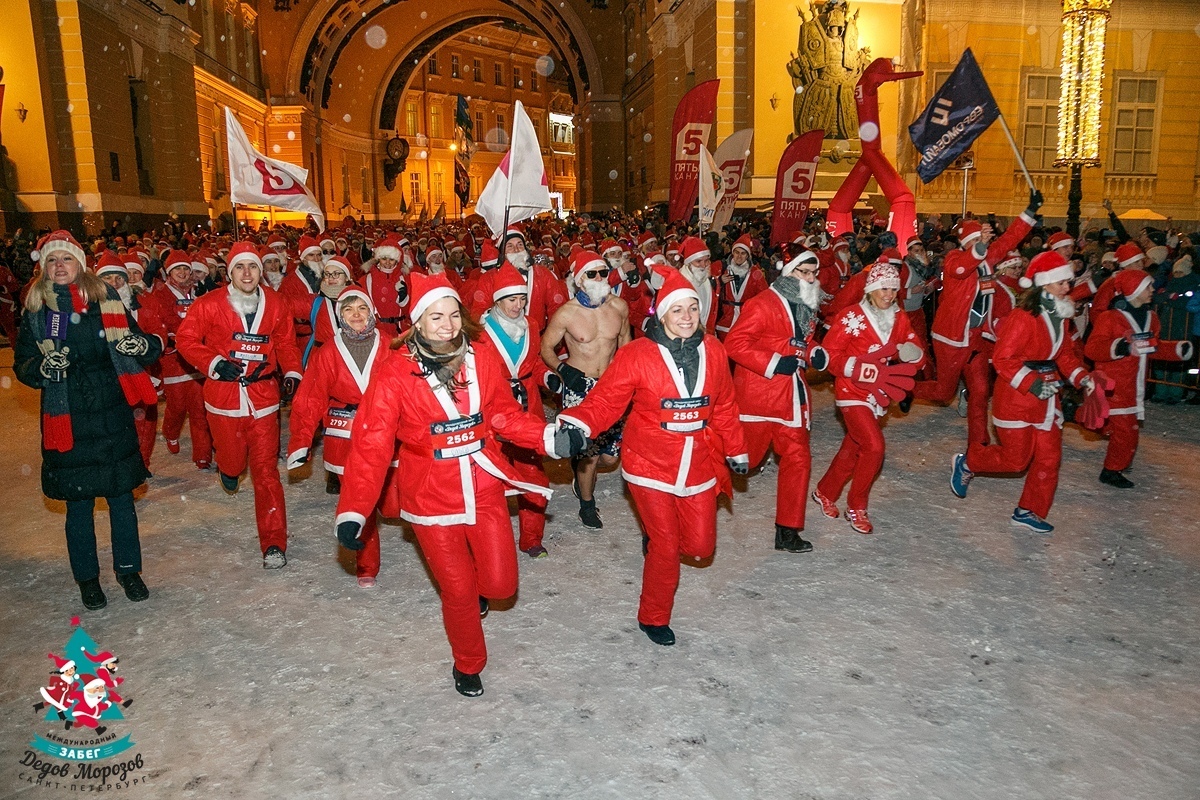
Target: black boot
{"x": 905, "y": 404}
{"x": 467, "y": 685}
{"x": 134, "y": 588}
{"x": 483, "y": 607}
{"x": 589, "y": 515}
{"x": 1115, "y": 478}
{"x": 659, "y": 634}
{"x": 333, "y": 483}
{"x": 92, "y": 595}
{"x": 645, "y": 545}
{"x": 38, "y": 706}
{"x": 789, "y": 539}
{"x": 229, "y": 483}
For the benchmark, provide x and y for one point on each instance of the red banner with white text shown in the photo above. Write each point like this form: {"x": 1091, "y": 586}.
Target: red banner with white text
{"x": 693, "y": 121}
{"x": 794, "y": 181}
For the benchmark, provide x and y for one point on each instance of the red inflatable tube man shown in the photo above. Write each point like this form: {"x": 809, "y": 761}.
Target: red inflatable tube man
{"x": 903, "y": 218}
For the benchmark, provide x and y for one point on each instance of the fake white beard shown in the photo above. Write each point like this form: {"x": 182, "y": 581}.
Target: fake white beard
{"x": 92, "y": 700}
{"x": 1064, "y": 307}
{"x": 518, "y": 260}
{"x": 433, "y": 268}
{"x": 617, "y": 264}
{"x": 243, "y": 303}
{"x": 884, "y": 319}
{"x": 596, "y": 290}
{"x": 137, "y": 286}
{"x": 810, "y": 293}
{"x": 273, "y": 279}
{"x": 315, "y": 264}
{"x": 739, "y": 270}
{"x": 126, "y": 295}
{"x": 515, "y": 328}
{"x": 697, "y": 275}
{"x": 332, "y": 292}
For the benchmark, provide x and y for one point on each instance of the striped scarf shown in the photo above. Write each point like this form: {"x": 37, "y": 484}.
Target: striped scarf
{"x": 135, "y": 382}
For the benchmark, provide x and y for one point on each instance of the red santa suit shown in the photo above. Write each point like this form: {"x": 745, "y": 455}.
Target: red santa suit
{"x": 732, "y": 297}
{"x": 1030, "y": 347}
{"x": 84, "y": 713}
{"x": 675, "y": 445}
{"x": 299, "y": 287}
{"x": 964, "y": 306}
{"x": 56, "y": 693}
{"x": 857, "y": 333}
{"x": 386, "y": 289}
{"x": 1123, "y": 341}
{"x": 244, "y": 414}
{"x": 776, "y": 409}
{"x": 10, "y": 290}
{"x": 526, "y": 373}
{"x": 454, "y": 475}
{"x": 183, "y": 383}
{"x": 546, "y": 294}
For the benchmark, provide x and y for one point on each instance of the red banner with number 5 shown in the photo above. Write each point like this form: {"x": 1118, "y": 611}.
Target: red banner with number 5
{"x": 794, "y": 181}
{"x": 689, "y": 132}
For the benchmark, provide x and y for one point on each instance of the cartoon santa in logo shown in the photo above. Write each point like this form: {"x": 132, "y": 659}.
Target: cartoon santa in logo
{"x": 57, "y": 692}
{"x": 90, "y": 703}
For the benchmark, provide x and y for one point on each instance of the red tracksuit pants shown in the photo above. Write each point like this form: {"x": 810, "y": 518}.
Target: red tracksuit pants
{"x": 920, "y": 328}
{"x": 185, "y": 400}
{"x": 145, "y": 422}
{"x": 1019, "y": 449}
{"x": 531, "y": 508}
{"x": 971, "y": 364}
{"x": 857, "y": 461}
{"x": 676, "y": 526}
{"x": 1122, "y": 430}
{"x": 795, "y": 466}
{"x": 245, "y": 440}
{"x": 469, "y": 562}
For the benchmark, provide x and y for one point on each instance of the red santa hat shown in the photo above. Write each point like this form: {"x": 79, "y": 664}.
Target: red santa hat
{"x": 1011, "y": 258}
{"x": 672, "y": 248}
{"x": 646, "y": 238}
{"x": 508, "y": 281}
{"x": 58, "y": 242}
{"x": 425, "y": 290}
{"x": 883, "y": 275}
{"x": 892, "y": 256}
{"x": 489, "y": 255}
{"x": 309, "y": 246}
{"x": 329, "y": 239}
{"x": 243, "y": 251}
{"x": 1131, "y": 282}
{"x": 1048, "y": 266}
{"x": 584, "y": 260}
{"x": 968, "y": 230}
{"x": 456, "y": 244}
{"x": 608, "y": 245}
{"x": 693, "y": 248}
{"x": 265, "y": 252}
{"x": 355, "y": 291}
{"x": 1060, "y": 240}
{"x": 133, "y": 259}
{"x": 675, "y": 289}
{"x": 513, "y": 232}
{"x": 1128, "y": 254}
{"x": 387, "y": 247}
{"x": 100, "y": 658}
{"x": 803, "y": 257}
{"x": 275, "y": 239}
{"x": 176, "y": 258}
{"x": 61, "y": 664}
{"x": 94, "y": 683}
{"x": 434, "y": 247}
{"x": 744, "y": 242}
{"x": 587, "y": 240}
{"x": 841, "y": 244}
{"x": 111, "y": 264}
{"x": 340, "y": 262}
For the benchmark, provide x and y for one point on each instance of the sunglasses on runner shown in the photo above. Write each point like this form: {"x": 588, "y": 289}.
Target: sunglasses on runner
{"x": 596, "y": 274}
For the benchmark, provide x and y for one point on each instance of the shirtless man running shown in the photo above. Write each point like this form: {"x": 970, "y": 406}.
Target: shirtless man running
{"x": 595, "y": 323}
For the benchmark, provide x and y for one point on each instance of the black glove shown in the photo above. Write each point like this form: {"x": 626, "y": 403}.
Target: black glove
{"x": 54, "y": 364}
{"x": 737, "y": 467}
{"x": 401, "y": 292}
{"x": 132, "y": 345}
{"x": 818, "y": 358}
{"x": 227, "y": 370}
{"x": 569, "y": 441}
{"x": 347, "y": 533}
{"x": 573, "y": 380}
{"x": 554, "y": 383}
{"x": 519, "y": 392}
{"x": 787, "y": 365}
{"x": 1121, "y": 348}
{"x": 1035, "y": 202}
{"x": 633, "y": 277}
{"x": 290, "y": 385}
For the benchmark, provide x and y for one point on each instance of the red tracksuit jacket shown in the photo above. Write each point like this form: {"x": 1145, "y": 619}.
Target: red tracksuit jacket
{"x": 766, "y": 331}
{"x": 1129, "y": 371}
{"x": 853, "y": 335}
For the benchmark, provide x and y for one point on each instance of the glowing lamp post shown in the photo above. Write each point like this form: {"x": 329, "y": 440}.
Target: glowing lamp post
{"x": 1085, "y": 23}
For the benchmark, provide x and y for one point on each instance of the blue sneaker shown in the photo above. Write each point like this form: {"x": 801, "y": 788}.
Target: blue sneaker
{"x": 1022, "y": 518}
{"x": 960, "y": 476}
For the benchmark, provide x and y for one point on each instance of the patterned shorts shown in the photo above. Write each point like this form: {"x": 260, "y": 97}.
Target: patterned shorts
{"x": 607, "y": 443}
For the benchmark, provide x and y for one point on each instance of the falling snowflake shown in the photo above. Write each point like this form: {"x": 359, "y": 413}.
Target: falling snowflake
{"x": 855, "y": 323}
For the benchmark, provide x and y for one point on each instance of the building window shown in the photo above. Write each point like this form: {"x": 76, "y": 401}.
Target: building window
{"x": 210, "y": 27}
{"x": 230, "y": 43}
{"x": 437, "y": 187}
{"x": 414, "y": 186}
{"x": 1040, "y": 125}
{"x": 533, "y": 80}
{"x": 433, "y": 67}
{"x": 498, "y": 73}
{"x": 517, "y": 84}
{"x": 500, "y": 127}
{"x": 345, "y": 185}
{"x": 435, "y": 121}
{"x": 454, "y": 67}
{"x": 477, "y": 70}
{"x": 410, "y": 118}
{"x": 366, "y": 187}
{"x": 1133, "y": 127}
{"x": 479, "y": 131}
{"x": 142, "y": 136}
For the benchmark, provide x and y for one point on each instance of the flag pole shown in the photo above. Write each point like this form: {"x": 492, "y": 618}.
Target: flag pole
{"x": 1020, "y": 161}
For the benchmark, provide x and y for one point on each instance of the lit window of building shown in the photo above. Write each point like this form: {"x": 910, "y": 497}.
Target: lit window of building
{"x": 454, "y": 67}
{"x": 1136, "y": 110}
{"x": 1040, "y": 125}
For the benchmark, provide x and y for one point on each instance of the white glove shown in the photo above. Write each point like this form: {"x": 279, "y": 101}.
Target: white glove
{"x": 908, "y": 352}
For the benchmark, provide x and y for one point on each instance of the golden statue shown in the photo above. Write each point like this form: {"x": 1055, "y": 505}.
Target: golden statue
{"x": 826, "y": 69}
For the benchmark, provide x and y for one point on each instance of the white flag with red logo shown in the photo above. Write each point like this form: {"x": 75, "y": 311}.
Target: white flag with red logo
{"x": 731, "y": 160}
{"x": 519, "y": 183}
{"x": 712, "y": 188}
{"x": 257, "y": 180}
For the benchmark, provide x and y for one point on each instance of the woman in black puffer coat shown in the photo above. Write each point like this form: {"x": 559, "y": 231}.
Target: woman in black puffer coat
{"x": 79, "y": 347}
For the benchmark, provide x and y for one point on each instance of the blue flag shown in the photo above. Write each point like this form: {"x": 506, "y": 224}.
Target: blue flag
{"x": 962, "y": 108}
{"x": 462, "y": 118}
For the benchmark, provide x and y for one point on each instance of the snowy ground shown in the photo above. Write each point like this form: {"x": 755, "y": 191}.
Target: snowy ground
{"x": 948, "y": 656}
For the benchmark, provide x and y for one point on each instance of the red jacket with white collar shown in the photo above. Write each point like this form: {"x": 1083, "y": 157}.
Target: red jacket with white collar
{"x": 1030, "y": 347}
{"x": 385, "y": 296}
{"x": 528, "y": 369}
{"x": 442, "y": 442}
{"x": 732, "y": 300}
{"x": 1129, "y": 371}
{"x": 165, "y": 311}
{"x": 675, "y": 441}
{"x": 853, "y": 335}
{"x": 265, "y": 347}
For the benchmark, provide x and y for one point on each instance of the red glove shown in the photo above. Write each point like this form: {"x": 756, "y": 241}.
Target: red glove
{"x": 886, "y": 381}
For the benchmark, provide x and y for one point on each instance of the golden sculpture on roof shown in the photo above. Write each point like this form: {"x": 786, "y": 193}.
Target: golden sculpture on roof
{"x": 825, "y": 70}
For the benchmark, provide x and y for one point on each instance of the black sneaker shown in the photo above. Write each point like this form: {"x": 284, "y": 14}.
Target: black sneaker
{"x": 1115, "y": 478}
{"x": 274, "y": 558}
{"x": 483, "y": 607}
{"x": 229, "y": 483}
{"x": 789, "y": 539}
{"x": 333, "y": 483}
{"x": 659, "y": 634}
{"x": 589, "y": 515}
{"x": 92, "y": 595}
{"x": 134, "y": 588}
{"x": 905, "y": 404}
{"x": 467, "y": 685}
